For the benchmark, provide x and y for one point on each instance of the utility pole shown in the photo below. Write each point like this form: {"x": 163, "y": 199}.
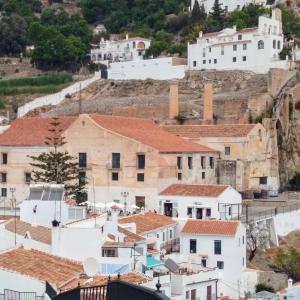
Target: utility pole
{"x": 14, "y": 204}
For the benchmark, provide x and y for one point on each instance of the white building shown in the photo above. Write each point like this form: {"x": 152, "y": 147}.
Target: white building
{"x": 163, "y": 68}
{"x": 128, "y": 49}
{"x": 228, "y": 5}
{"x": 200, "y": 201}
{"x": 100, "y": 28}
{"x": 291, "y": 292}
{"x": 220, "y": 244}
{"x": 46, "y": 203}
{"x": 255, "y": 49}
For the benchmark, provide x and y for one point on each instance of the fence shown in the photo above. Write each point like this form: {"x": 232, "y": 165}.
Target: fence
{"x": 15, "y": 295}
{"x": 251, "y": 216}
{"x": 56, "y": 98}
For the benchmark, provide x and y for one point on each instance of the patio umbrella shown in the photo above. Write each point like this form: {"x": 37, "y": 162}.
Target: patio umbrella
{"x": 111, "y": 204}
{"x": 134, "y": 206}
{"x": 100, "y": 205}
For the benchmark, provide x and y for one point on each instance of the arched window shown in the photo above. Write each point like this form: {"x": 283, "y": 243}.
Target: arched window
{"x": 260, "y": 44}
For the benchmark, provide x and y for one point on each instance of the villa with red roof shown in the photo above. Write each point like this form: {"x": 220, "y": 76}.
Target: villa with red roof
{"x": 116, "y": 154}
{"x": 200, "y": 201}
{"x": 247, "y": 160}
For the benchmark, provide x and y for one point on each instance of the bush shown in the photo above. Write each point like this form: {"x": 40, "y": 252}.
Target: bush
{"x": 264, "y": 287}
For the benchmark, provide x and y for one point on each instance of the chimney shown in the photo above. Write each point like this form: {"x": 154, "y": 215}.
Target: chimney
{"x": 127, "y": 36}
{"x": 173, "y": 100}
{"x": 277, "y": 15}
{"x": 290, "y": 283}
{"x": 200, "y": 34}
{"x": 208, "y": 102}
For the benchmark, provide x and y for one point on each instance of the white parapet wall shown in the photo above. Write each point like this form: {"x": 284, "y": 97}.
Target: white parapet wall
{"x": 56, "y": 98}
{"x": 165, "y": 68}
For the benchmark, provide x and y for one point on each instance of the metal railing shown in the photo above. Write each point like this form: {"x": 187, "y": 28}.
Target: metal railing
{"x": 171, "y": 246}
{"x": 16, "y": 295}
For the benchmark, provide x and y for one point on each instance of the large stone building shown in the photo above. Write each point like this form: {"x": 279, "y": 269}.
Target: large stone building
{"x": 116, "y": 154}
{"x": 246, "y": 160}
{"x": 255, "y": 49}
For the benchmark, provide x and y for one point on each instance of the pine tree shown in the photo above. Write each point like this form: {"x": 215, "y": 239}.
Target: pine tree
{"x": 198, "y": 14}
{"x": 217, "y": 16}
{"x": 58, "y": 167}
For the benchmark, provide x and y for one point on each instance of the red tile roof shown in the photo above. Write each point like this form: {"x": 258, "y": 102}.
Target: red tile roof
{"x": 222, "y": 130}
{"x": 130, "y": 236}
{"x": 148, "y": 133}
{"x": 147, "y": 222}
{"x": 31, "y": 131}
{"x": 39, "y": 265}
{"x": 211, "y": 227}
{"x": 194, "y": 190}
{"x": 249, "y": 29}
{"x": 38, "y": 233}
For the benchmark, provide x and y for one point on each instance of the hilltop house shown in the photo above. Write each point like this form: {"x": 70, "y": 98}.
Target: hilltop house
{"x": 256, "y": 49}
{"x": 115, "y": 154}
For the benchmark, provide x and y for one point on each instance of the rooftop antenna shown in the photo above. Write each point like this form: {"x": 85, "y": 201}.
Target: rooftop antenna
{"x": 91, "y": 266}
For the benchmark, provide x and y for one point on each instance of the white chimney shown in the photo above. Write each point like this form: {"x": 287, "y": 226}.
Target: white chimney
{"x": 127, "y": 37}
{"x": 290, "y": 283}
{"x": 200, "y": 34}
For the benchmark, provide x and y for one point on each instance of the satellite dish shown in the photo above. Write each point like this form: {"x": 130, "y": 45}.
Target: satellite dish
{"x": 91, "y": 266}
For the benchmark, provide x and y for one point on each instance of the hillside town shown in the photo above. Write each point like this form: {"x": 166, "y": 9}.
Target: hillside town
{"x": 149, "y": 150}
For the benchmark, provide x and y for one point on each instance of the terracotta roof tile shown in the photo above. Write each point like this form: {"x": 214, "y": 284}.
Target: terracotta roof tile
{"x": 194, "y": 190}
{"x": 85, "y": 281}
{"x": 31, "y": 131}
{"x": 130, "y": 236}
{"x": 222, "y": 130}
{"x": 40, "y": 265}
{"x": 148, "y": 133}
{"x": 249, "y": 29}
{"x": 38, "y": 233}
{"x": 148, "y": 222}
{"x": 211, "y": 227}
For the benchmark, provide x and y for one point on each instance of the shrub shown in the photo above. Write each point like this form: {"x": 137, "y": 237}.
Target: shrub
{"x": 264, "y": 287}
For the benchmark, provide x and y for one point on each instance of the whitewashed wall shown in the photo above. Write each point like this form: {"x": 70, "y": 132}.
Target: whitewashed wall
{"x": 56, "y": 98}
{"x": 158, "y": 69}
{"x": 21, "y": 283}
{"x": 287, "y": 222}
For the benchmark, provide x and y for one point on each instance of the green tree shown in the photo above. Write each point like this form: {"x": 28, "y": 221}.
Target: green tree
{"x": 198, "y": 14}
{"x": 57, "y": 166}
{"x": 264, "y": 287}
{"x": 217, "y": 18}
{"x": 295, "y": 182}
{"x": 287, "y": 262}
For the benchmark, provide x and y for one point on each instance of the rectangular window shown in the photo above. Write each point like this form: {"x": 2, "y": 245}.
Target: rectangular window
{"x": 114, "y": 176}
{"x": 171, "y": 234}
{"x": 263, "y": 180}
{"x": 163, "y": 237}
{"x": 278, "y": 45}
{"x": 234, "y": 59}
{"x": 82, "y": 160}
{"x": 209, "y": 49}
{"x": 244, "y": 46}
{"x": 227, "y": 150}
{"x": 204, "y": 61}
{"x": 244, "y": 58}
{"x": 179, "y": 176}
{"x": 203, "y": 262}
{"x": 234, "y": 47}
{"x": 239, "y": 37}
{"x": 106, "y": 252}
{"x": 189, "y": 212}
{"x": 218, "y": 247}
{"x": 220, "y": 265}
{"x": 179, "y": 162}
{"x": 190, "y": 162}
{"x": 3, "y": 177}
{"x": 187, "y": 295}
{"x": 4, "y": 158}
{"x": 140, "y": 177}
{"x": 194, "y": 63}
{"x": 203, "y": 162}
{"x": 27, "y": 177}
{"x": 203, "y": 175}
{"x": 208, "y": 212}
{"x": 82, "y": 176}
{"x": 274, "y": 44}
{"x": 141, "y": 161}
{"x": 193, "y": 246}
{"x": 116, "y": 160}
{"x": 211, "y": 162}
{"x": 209, "y": 61}
{"x": 215, "y": 61}
{"x": 222, "y": 50}
{"x": 4, "y": 192}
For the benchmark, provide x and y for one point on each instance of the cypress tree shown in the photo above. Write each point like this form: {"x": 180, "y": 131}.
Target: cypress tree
{"x": 217, "y": 15}
{"x": 58, "y": 166}
{"x": 198, "y": 14}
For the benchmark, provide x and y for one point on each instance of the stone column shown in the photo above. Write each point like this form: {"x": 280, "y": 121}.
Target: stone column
{"x": 173, "y": 100}
{"x": 208, "y": 102}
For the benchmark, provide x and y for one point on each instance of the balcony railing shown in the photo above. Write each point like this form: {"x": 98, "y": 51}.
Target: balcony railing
{"x": 171, "y": 246}
{"x": 114, "y": 290}
{"x": 15, "y": 295}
